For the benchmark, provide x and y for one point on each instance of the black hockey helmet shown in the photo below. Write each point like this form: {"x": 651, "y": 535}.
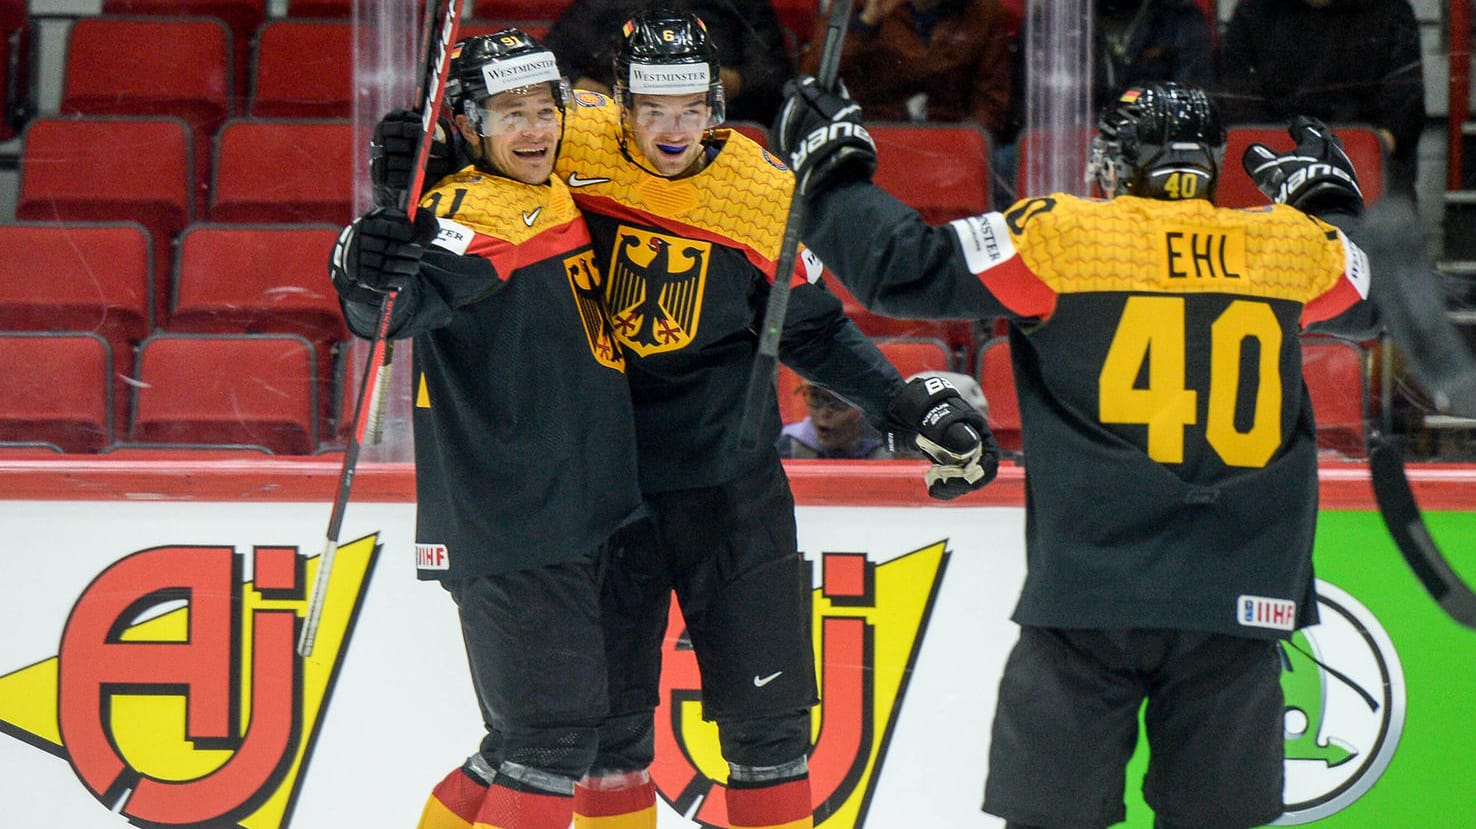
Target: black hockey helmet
{"x": 666, "y": 52}
{"x": 485, "y": 65}
{"x": 1159, "y": 141}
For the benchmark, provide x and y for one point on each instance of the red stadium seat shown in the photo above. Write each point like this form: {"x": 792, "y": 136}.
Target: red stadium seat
{"x": 303, "y": 69}
{"x": 153, "y": 66}
{"x": 911, "y": 355}
{"x": 242, "y": 17}
{"x": 107, "y": 169}
{"x": 997, "y": 379}
{"x": 1337, "y": 381}
{"x": 799, "y": 17}
{"x": 277, "y": 170}
{"x": 942, "y": 170}
{"x": 245, "y": 389}
{"x": 518, "y": 9}
{"x": 56, "y": 388}
{"x": 15, "y": 67}
{"x": 958, "y": 334}
{"x": 262, "y": 279}
{"x": 80, "y": 277}
{"x": 1360, "y": 142}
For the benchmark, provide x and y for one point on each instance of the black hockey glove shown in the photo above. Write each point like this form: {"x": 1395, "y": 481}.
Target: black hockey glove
{"x": 380, "y": 251}
{"x": 931, "y": 414}
{"x": 1316, "y": 177}
{"x": 820, "y": 134}
{"x": 392, "y": 155}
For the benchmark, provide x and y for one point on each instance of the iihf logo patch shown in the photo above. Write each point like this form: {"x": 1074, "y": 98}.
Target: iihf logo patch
{"x": 432, "y": 557}
{"x": 1263, "y": 612}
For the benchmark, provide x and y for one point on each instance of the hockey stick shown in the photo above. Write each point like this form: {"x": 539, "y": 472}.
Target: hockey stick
{"x": 766, "y": 362}
{"x": 1407, "y": 527}
{"x": 409, "y": 199}
{"x": 435, "y": 61}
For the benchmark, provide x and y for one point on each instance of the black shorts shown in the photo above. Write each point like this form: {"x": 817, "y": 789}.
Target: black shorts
{"x": 535, "y": 645}
{"x": 1066, "y": 725}
{"x": 731, "y": 555}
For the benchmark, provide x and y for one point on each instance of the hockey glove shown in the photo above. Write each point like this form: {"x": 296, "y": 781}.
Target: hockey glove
{"x": 1316, "y": 177}
{"x": 392, "y": 155}
{"x": 930, "y": 412}
{"x": 820, "y": 134}
{"x": 380, "y": 251}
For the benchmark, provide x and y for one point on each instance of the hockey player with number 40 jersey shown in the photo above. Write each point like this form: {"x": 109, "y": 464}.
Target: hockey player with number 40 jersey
{"x": 1171, "y": 466}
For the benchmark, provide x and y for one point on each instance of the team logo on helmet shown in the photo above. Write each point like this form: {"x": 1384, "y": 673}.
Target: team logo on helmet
{"x": 1345, "y": 705}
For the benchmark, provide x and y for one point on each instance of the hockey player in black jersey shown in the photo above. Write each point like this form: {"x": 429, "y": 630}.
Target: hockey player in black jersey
{"x": 1171, "y": 484}
{"x": 687, "y": 220}
{"x": 524, "y": 438}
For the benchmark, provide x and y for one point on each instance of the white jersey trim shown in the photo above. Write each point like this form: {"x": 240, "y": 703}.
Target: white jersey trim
{"x": 454, "y": 236}
{"x": 1355, "y": 265}
{"x": 985, "y": 240}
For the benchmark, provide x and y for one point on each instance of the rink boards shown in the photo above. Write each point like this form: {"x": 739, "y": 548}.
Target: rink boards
{"x": 147, "y": 670}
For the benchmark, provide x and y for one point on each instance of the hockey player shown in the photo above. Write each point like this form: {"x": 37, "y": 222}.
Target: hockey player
{"x": 524, "y": 438}
{"x": 687, "y": 220}
{"x": 1171, "y": 491}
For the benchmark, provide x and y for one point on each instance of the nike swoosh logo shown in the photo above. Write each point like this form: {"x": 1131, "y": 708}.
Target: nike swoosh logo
{"x": 576, "y": 180}
{"x": 530, "y": 218}
{"x": 761, "y": 681}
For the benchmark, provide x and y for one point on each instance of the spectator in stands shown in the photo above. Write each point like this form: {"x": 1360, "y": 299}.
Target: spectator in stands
{"x": 832, "y": 429}
{"x": 1137, "y": 41}
{"x": 750, "y": 43}
{"x": 925, "y": 60}
{"x": 1341, "y": 61}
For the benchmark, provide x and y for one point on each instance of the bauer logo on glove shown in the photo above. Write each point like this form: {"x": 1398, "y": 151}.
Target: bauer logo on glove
{"x": 930, "y": 413}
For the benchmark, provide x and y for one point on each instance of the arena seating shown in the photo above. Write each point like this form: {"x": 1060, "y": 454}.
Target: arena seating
{"x": 1360, "y": 142}
{"x": 278, "y": 170}
{"x": 911, "y": 355}
{"x": 997, "y": 379}
{"x": 178, "y": 66}
{"x": 303, "y": 69}
{"x": 67, "y": 277}
{"x": 548, "y": 10}
{"x": 1337, "y": 381}
{"x": 110, "y": 168}
{"x": 242, "y": 17}
{"x": 56, "y": 389}
{"x": 262, "y": 279}
{"x": 247, "y": 389}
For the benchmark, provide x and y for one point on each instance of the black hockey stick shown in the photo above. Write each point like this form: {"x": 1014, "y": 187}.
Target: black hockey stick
{"x": 1407, "y": 527}
{"x": 766, "y": 362}
{"x": 435, "y": 59}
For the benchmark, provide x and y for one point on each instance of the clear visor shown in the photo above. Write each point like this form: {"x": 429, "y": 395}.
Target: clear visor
{"x": 671, "y": 113}
{"x": 525, "y": 109}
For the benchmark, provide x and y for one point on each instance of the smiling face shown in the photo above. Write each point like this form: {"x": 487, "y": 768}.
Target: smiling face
{"x": 517, "y": 132}
{"x": 668, "y": 130}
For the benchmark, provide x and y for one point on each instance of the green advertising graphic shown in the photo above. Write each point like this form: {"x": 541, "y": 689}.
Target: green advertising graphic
{"x": 1381, "y": 695}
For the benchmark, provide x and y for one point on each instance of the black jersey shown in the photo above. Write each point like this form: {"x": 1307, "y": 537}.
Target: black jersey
{"x": 1168, "y": 437}
{"x": 690, "y": 262}
{"x": 524, "y": 438}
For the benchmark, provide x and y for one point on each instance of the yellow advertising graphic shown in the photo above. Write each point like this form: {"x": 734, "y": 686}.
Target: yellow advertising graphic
{"x": 177, "y": 695}
{"x": 869, "y": 621}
